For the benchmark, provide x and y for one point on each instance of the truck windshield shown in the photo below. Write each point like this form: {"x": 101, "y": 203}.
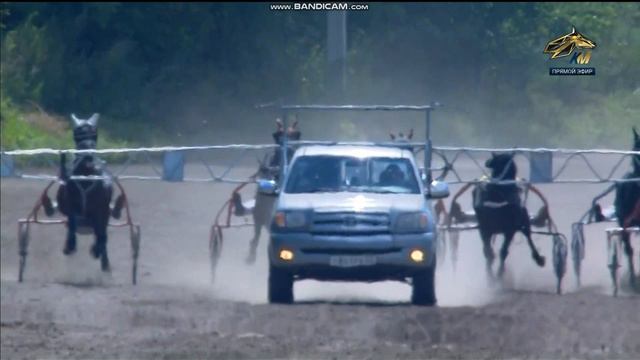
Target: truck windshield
{"x": 313, "y": 174}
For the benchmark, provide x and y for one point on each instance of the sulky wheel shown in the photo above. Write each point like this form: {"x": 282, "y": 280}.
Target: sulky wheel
{"x": 215, "y": 248}
{"x": 614, "y": 264}
{"x": 135, "y": 252}
{"x": 559, "y": 259}
{"x": 577, "y": 248}
{"x": 23, "y": 244}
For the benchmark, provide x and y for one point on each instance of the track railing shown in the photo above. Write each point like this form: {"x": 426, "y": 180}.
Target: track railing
{"x": 555, "y": 166}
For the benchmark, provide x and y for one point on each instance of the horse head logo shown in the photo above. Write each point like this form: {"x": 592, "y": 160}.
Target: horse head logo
{"x": 566, "y": 44}
{"x": 85, "y": 132}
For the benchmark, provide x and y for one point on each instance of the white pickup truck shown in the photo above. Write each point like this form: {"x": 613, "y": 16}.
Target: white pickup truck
{"x": 353, "y": 213}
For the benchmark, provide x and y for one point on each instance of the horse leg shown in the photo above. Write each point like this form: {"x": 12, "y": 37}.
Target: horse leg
{"x": 96, "y": 248}
{"x": 257, "y": 230}
{"x": 47, "y": 205}
{"x": 526, "y": 230}
{"x": 504, "y": 252}
{"x": 99, "y": 248}
{"x": 70, "y": 244}
{"x": 628, "y": 250}
{"x": 104, "y": 259}
{"x": 488, "y": 253}
{"x": 238, "y": 207}
{"x": 454, "y": 237}
{"x": 117, "y": 208}
{"x": 456, "y": 213}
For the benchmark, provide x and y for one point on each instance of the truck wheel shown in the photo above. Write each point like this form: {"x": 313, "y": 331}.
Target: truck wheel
{"x": 424, "y": 287}
{"x": 280, "y": 286}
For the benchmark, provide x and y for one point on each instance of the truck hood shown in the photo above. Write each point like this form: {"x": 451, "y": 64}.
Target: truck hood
{"x": 345, "y": 201}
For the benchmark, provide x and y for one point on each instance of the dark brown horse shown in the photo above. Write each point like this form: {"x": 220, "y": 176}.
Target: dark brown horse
{"x": 627, "y": 205}
{"x": 499, "y": 210}
{"x": 85, "y": 203}
{"x": 263, "y": 204}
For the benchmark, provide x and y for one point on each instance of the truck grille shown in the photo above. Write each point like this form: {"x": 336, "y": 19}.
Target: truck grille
{"x": 358, "y": 251}
{"x": 350, "y": 223}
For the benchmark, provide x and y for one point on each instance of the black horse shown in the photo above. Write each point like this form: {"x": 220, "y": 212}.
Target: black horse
{"x": 499, "y": 210}
{"x": 262, "y": 208}
{"x": 627, "y": 204}
{"x": 85, "y": 202}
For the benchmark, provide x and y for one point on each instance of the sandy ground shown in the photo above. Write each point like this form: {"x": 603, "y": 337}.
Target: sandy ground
{"x": 67, "y": 309}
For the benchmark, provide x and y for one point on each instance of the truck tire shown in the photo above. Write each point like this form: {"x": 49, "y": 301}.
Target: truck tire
{"x": 424, "y": 287}
{"x": 280, "y": 286}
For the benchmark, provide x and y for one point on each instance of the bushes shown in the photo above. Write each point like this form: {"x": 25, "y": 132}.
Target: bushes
{"x": 20, "y": 131}
{"x": 34, "y": 128}
{"x": 181, "y": 73}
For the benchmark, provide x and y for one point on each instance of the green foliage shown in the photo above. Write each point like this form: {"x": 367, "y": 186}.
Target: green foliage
{"x": 30, "y": 129}
{"x": 594, "y": 122}
{"x": 190, "y": 72}
{"x": 17, "y": 133}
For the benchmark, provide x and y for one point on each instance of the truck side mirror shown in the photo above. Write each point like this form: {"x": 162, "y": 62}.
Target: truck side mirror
{"x": 267, "y": 187}
{"x": 439, "y": 190}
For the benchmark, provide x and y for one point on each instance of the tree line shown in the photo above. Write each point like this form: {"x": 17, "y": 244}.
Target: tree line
{"x": 198, "y": 69}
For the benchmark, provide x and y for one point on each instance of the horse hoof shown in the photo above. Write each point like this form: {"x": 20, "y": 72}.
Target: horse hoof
{"x": 540, "y": 260}
{"x": 69, "y": 248}
{"x": 491, "y": 279}
{"x": 251, "y": 259}
{"x": 94, "y": 251}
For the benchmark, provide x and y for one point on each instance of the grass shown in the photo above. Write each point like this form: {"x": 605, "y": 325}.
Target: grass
{"x": 35, "y": 128}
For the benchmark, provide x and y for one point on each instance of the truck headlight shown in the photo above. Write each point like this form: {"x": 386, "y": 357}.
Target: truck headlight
{"x": 417, "y": 255}
{"x": 290, "y": 219}
{"x": 412, "y": 222}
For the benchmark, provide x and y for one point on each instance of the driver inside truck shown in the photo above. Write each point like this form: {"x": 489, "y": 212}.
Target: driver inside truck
{"x": 392, "y": 176}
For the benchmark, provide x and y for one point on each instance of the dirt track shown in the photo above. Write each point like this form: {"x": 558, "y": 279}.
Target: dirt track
{"x": 67, "y": 309}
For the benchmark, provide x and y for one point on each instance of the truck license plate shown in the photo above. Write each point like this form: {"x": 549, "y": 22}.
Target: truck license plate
{"x": 351, "y": 261}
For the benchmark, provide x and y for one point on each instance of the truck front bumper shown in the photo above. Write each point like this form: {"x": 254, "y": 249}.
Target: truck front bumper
{"x": 352, "y": 257}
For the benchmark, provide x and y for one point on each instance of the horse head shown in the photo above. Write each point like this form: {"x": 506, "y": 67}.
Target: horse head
{"x": 85, "y": 132}
{"x": 402, "y": 138}
{"x": 636, "y": 147}
{"x": 580, "y": 40}
{"x": 293, "y": 133}
{"x": 502, "y": 166}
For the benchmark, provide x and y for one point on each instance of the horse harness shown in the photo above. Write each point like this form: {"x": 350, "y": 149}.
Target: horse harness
{"x": 496, "y": 195}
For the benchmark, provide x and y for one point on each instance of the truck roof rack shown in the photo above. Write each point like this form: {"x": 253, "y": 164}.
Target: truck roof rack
{"x": 285, "y": 108}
